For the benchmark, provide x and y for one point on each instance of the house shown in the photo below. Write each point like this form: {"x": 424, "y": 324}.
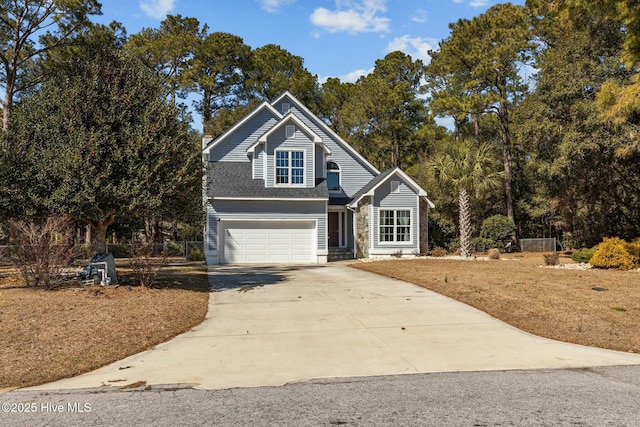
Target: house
{"x": 282, "y": 187}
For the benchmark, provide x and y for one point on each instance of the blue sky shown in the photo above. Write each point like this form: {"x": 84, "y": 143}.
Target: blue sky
{"x": 336, "y": 38}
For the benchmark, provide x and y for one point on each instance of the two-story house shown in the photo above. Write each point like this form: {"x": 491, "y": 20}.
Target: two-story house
{"x": 282, "y": 187}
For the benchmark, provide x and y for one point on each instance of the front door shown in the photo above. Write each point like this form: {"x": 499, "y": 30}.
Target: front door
{"x": 334, "y": 229}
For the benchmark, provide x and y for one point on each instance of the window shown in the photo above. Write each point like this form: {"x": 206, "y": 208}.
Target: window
{"x": 395, "y": 186}
{"x": 290, "y": 167}
{"x": 290, "y": 131}
{"x": 285, "y": 107}
{"x": 333, "y": 176}
{"x": 395, "y": 225}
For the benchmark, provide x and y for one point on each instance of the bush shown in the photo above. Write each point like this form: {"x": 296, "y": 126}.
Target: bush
{"x": 195, "y": 254}
{"x": 497, "y": 227}
{"x": 480, "y": 244}
{"x": 583, "y": 255}
{"x": 43, "y": 251}
{"x": 493, "y": 254}
{"x": 552, "y": 258}
{"x": 614, "y": 253}
{"x": 438, "y": 252}
{"x": 145, "y": 265}
{"x": 175, "y": 249}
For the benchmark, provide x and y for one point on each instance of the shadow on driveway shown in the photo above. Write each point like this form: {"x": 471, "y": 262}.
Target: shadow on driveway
{"x": 244, "y": 278}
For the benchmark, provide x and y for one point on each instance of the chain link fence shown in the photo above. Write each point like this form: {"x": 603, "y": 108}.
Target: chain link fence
{"x": 547, "y": 244}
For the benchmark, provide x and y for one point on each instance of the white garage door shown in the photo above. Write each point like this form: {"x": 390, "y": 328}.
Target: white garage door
{"x": 247, "y": 242}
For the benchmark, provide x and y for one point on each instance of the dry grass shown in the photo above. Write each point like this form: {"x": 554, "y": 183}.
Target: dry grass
{"x": 48, "y": 335}
{"x": 549, "y": 302}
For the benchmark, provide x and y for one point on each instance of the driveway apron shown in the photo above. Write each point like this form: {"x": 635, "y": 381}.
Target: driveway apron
{"x": 269, "y": 326}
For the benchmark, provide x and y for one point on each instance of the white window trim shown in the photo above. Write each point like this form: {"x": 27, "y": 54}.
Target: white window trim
{"x": 395, "y": 187}
{"x": 395, "y": 242}
{"x": 339, "y": 170}
{"x": 289, "y": 167}
{"x": 286, "y": 107}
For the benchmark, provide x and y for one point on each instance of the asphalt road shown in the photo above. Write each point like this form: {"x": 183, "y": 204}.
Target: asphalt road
{"x": 583, "y": 397}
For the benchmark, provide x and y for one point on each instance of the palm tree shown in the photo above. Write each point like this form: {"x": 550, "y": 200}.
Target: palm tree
{"x": 467, "y": 167}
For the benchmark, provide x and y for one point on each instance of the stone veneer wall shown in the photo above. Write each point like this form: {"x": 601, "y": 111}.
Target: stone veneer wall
{"x": 424, "y": 226}
{"x": 362, "y": 229}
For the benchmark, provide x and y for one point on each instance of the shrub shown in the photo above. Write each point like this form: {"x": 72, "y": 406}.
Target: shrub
{"x": 174, "y": 249}
{"x": 613, "y": 253}
{"x": 480, "y": 244}
{"x": 493, "y": 253}
{"x": 552, "y": 258}
{"x": 438, "y": 252}
{"x": 43, "y": 251}
{"x": 497, "y": 227}
{"x": 195, "y": 254}
{"x": 397, "y": 254}
{"x": 634, "y": 248}
{"x": 583, "y": 255}
{"x": 145, "y": 265}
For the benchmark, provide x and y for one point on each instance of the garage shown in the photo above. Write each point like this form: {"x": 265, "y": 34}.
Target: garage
{"x": 256, "y": 242}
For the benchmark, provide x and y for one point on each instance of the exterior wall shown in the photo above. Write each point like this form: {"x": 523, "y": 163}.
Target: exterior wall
{"x": 301, "y": 142}
{"x": 258, "y": 163}
{"x": 234, "y": 147}
{"x": 407, "y": 198}
{"x": 265, "y": 210}
{"x": 354, "y": 173}
{"x": 319, "y": 162}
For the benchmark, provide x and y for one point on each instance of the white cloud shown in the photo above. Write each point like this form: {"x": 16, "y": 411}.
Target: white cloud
{"x": 351, "y": 77}
{"x": 157, "y": 9}
{"x": 273, "y": 6}
{"x": 417, "y": 47}
{"x": 420, "y": 16}
{"x": 352, "y": 16}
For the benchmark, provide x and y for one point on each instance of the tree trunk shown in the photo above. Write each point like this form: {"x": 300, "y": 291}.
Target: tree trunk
{"x": 100, "y": 233}
{"x": 506, "y": 158}
{"x": 465, "y": 223}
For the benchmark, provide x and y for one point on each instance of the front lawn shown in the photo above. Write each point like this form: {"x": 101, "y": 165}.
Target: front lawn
{"x": 554, "y": 303}
{"x": 49, "y": 335}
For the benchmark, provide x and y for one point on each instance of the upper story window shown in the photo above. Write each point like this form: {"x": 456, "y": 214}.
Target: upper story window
{"x": 333, "y": 176}
{"x": 289, "y": 167}
{"x": 395, "y": 186}
{"x": 286, "y": 107}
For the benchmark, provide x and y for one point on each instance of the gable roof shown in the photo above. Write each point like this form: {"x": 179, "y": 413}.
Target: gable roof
{"x": 287, "y": 119}
{"x": 245, "y": 119}
{"x": 233, "y": 181}
{"x": 372, "y": 186}
{"x": 327, "y": 129}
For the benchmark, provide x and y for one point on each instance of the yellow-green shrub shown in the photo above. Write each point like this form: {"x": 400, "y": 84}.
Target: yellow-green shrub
{"x": 614, "y": 253}
{"x": 634, "y": 248}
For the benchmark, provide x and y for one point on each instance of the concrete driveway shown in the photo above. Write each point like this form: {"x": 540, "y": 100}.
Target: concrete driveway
{"x": 268, "y": 326}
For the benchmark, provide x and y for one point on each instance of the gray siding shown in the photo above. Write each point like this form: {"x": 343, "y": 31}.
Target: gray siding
{"x": 258, "y": 162}
{"x": 265, "y": 210}
{"x": 407, "y": 198}
{"x": 319, "y": 163}
{"x": 354, "y": 173}
{"x": 300, "y": 142}
{"x": 234, "y": 147}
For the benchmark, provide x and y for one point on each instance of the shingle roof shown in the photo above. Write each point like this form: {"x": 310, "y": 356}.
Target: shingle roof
{"x": 233, "y": 179}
